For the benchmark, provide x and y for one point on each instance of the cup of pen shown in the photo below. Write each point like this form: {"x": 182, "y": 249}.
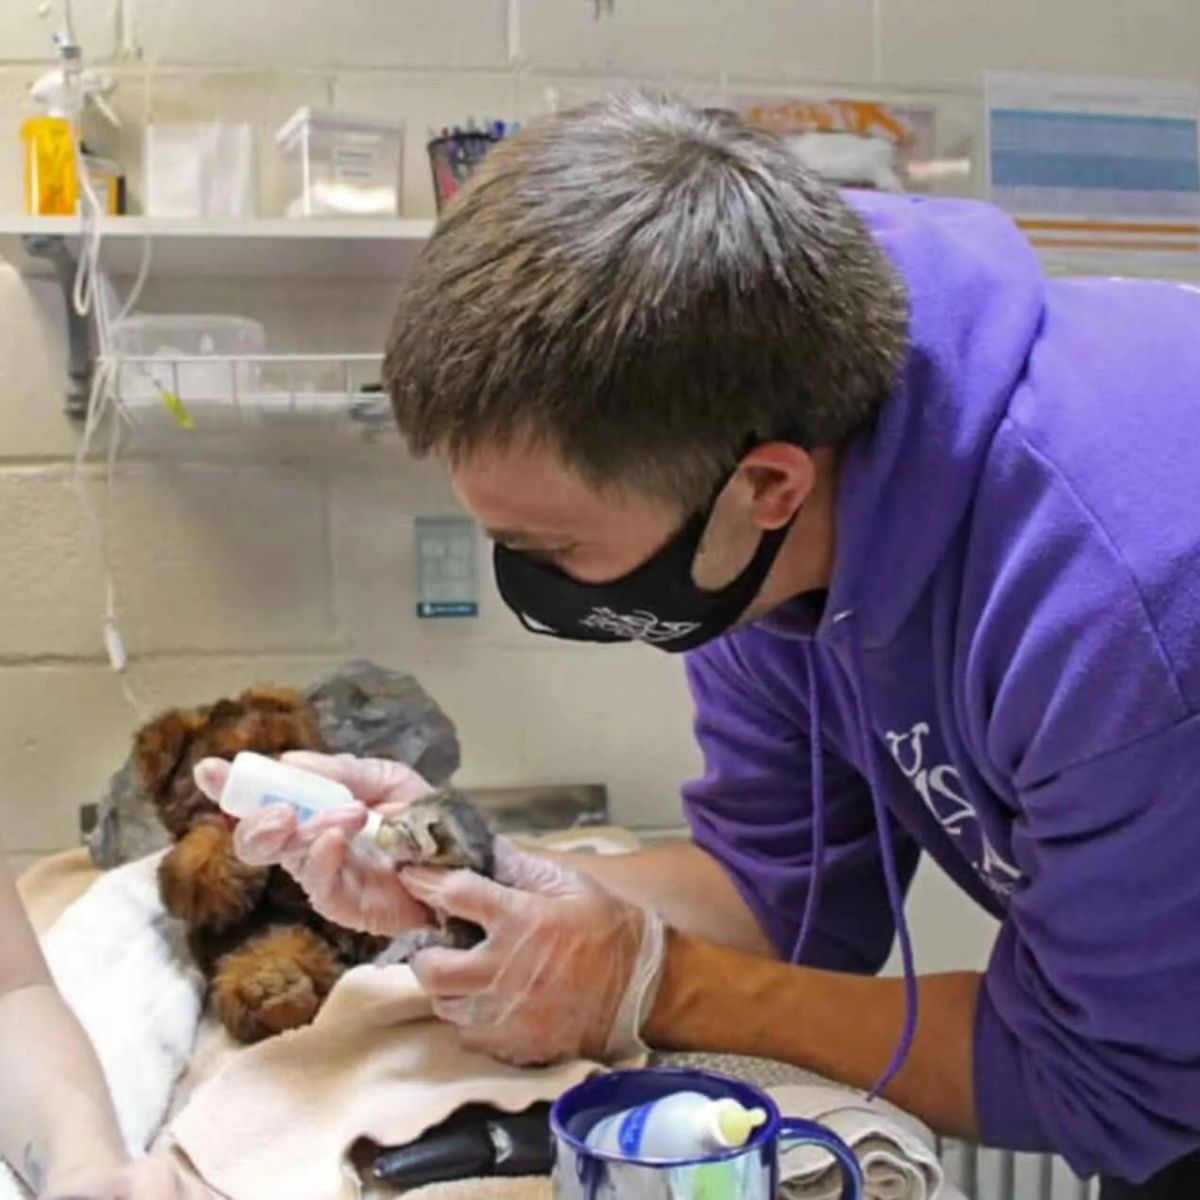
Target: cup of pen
{"x": 602, "y": 1153}
{"x": 453, "y": 157}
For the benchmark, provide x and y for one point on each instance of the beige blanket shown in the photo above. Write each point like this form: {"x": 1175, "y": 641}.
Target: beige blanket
{"x": 278, "y": 1118}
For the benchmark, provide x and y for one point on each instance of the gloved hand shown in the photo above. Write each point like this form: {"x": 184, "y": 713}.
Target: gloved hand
{"x": 345, "y": 883}
{"x": 567, "y": 968}
{"x": 142, "y": 1179}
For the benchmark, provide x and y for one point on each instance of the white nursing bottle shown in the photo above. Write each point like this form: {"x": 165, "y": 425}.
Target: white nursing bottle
{"x": 682, "y": 1125}
{"x": 256, "y": 781}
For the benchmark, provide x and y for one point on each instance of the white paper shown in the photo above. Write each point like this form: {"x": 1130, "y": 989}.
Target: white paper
{"x": 200, "y": 170}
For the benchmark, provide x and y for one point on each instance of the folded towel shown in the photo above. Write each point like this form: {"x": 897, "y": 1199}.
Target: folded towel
{"x": 281, "y": 1118}
{"x": 897, "y": 1152}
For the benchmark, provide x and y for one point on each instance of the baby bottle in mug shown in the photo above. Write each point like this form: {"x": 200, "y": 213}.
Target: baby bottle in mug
{"x": 668, "y": 1134}
{"x": 681, "y": 1126}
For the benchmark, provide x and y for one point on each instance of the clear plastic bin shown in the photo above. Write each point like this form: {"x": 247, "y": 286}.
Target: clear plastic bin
{"x": 342, "y": 164}
{"x": 172, "y": 337}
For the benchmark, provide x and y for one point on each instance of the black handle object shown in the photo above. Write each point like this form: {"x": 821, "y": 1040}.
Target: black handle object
{"x": 464, "y": 1153}
{"x": 523, "y": 1142}
{"x": 476, "y": 1142}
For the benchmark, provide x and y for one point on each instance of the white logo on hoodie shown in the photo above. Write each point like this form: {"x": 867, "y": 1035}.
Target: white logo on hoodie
{"x": 940, "y": 787}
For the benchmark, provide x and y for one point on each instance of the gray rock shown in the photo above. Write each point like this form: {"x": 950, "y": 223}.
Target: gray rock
{"x": 370, "y": 711}
{"x": 127, "y": 827}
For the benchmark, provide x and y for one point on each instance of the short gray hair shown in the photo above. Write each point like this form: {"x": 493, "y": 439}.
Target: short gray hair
{"x": 644, "y": 286}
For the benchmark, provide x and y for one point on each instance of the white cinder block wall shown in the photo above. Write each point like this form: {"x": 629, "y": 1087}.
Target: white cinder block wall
{"x": 231, "y": 575}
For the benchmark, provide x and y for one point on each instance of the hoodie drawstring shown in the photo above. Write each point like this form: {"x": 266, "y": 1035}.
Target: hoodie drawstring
{"x": 817, "y": 856}
{"x": 887, "y": 851}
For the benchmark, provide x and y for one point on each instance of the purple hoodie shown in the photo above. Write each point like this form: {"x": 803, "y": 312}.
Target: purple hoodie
{"x": 1010, "y": 653}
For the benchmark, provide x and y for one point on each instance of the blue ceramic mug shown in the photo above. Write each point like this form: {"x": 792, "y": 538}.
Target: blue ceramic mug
{"x": 749, "y": 1172}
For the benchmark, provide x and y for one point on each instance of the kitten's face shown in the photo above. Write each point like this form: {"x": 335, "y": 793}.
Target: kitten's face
{"x": 443, "y": 829}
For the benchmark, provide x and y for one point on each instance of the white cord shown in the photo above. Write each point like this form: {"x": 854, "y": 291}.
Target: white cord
{"x": 135, "y": 293}
{"x": 87, "y": 272}
{"x": 130, "y": 47}
{"x": 103, "y": 401}
{"x": 92, "y": 233}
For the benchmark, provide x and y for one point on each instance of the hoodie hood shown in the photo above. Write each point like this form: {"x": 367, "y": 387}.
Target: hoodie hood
{"x": 976, "y": 293}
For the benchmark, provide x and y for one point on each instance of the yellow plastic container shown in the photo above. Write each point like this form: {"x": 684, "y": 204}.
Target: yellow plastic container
{"x": 51, "y": 170}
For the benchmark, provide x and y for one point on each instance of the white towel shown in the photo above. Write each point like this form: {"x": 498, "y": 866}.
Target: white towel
{"x": 10, "y": 1187}
{"x": 121, "y": 965}
{"x": 896, "y": 1151}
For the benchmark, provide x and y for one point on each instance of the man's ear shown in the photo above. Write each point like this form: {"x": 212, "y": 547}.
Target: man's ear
{"x": 781, "y": 477}
{"x": 770, "y": 484}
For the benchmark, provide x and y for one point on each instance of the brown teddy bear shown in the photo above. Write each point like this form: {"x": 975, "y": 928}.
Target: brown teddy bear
{"x": 269, "y": 958}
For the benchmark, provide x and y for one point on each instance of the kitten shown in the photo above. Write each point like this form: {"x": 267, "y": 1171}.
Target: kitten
{"x": 443, "y": 829}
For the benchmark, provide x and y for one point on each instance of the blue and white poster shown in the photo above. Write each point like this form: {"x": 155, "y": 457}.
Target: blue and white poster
{"x": 446, "y": 550}
{"x": 1098, "y": 167}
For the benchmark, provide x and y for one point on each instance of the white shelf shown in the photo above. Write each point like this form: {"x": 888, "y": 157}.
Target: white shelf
{"x": 227, "y": 389}
{"x": 268, "y": 248}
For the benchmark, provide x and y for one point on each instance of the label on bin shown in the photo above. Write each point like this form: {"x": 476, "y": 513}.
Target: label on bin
{"x": 354, "y": 162}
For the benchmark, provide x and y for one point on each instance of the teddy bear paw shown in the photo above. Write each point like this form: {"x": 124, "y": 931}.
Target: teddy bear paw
{"x": 275, "y": 983}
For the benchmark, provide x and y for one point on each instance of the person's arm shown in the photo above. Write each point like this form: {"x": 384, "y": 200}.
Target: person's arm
{"x": 842, "y": 1026}
{"x": 689, "y": 889}
{"x": 1088, "y": 1035}
{"x": 57, "y": 1123}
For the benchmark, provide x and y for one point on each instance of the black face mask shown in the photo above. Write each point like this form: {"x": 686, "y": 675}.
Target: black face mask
{"x": 658, "y": 603}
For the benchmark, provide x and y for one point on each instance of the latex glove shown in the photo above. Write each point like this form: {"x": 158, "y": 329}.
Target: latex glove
{"x": 349, "y": 884}
{"x": 567, "y": 969}
{"x": 142, "y": 1179}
